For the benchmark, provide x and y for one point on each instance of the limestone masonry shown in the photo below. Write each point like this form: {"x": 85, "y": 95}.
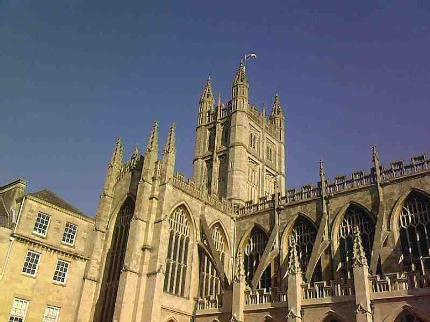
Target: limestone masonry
{"x": 230, "y": 244}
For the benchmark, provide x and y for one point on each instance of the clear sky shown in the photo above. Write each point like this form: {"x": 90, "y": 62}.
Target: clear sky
{"x": 74, "y": 75}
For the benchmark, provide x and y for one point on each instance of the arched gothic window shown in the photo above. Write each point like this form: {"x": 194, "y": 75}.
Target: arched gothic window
{"x": 414, "y": 225}
{"x": 304, "y": 233}
{"x": 354, "y": 216}
{"x": 210, "y": 284}
{"x": 331, "y": 318}
{"x": 407, "y": 316}
{"x": 115, "y": 259}
{"x": 253, "y": 251}
{"x": 177, "y": 252}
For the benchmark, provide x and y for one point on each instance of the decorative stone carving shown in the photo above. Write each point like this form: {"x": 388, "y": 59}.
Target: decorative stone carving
{"x": 359, "y": 256}
{"x": 293, "y": 258}
{"x": 360, "y": 309}
{"x": 234, "y": 318}
{"x": 239, "y": 273}
{"x": 292, "y": 315}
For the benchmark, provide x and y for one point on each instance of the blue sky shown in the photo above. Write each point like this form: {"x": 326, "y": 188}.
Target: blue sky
{"x": 74, "y": 75}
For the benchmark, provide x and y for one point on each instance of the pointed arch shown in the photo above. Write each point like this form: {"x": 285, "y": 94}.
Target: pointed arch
{"x": 178, "y": 251}
{"x": 268, "y": 318}
{"x": 118, "y": 206}
{"x": 209, "y": 281}
{"x": 408, "y": 316}
{"x": 412, "y": 227}
{"x": 223, "y": 230}
{"x": 171, "y": 319}
{"x": 304, "y": 231}
{"x": 115, "y": 259}
{"x": 192, "y": 220}
{"x": 289, "y": 227}
{"x": 351, "y": 215}
{"x": 397, "y": 209}
{"x": 396, "y": 315}
{"x": 341, "y": 214}
{"x": 332, "y": 316}
{"x": 245, "y": 236}
{"x": 253, "y": 249}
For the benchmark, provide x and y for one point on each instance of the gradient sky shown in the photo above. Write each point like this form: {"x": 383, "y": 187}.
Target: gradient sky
{"x": 74, "y": 75}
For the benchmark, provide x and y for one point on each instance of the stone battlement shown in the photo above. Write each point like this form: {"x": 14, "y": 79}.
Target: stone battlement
{"x": 225, "y": 110}
{"x": 189, "y": 186}
{"x": 339, "y": 184}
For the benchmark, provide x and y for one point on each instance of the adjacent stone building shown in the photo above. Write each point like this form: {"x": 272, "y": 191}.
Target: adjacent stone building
{"x": 230, "y": 244}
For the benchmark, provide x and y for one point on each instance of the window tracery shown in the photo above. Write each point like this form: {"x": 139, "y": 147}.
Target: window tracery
{"x": 354, "y": 216}
{"x": 253, "y": 251}
{"x": 115, "y": 258}
{"x": 407, "y": 316}
{"x": 210, "y": 284}
{"x": 414, "y": 222}
{"x": 177, "y": 252}
{"x": 304, "y": 233}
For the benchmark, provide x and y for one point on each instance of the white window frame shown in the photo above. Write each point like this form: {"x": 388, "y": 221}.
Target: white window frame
{"x": 13, "y": 317}
{"x": 47, "y": 317}
{"x": 35, "y": 232}
{"x": 37, "y": 263}
{"x": 66, "y": 272}
{"x": 74, "y": 236}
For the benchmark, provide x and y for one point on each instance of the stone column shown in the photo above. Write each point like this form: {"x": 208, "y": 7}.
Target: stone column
{"x": 361, "y": 281}
{"x": 294, "y": 280}
{"x": 238, "y": 300}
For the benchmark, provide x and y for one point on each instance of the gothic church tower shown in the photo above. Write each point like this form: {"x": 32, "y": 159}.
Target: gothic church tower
{"x": 239, "y": 152}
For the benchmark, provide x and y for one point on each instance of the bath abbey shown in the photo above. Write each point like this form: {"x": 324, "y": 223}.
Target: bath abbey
{"x": 229, "y": 244}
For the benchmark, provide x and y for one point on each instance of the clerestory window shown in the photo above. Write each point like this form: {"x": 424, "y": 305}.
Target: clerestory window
{"x": 253, "y": 251}
{"x": 115, "y": 260}
{"x": 210, "y": 284}
{"x": 177, "y": 252}
{"x": 354, "y": 216}
{"x": 414, "y": 225}
{"x": 304, "y": 233}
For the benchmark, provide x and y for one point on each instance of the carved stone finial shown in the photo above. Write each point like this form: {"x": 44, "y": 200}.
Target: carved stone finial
{"x": 240, "y": 74}
{"x": 171, "y": 140}
{"x": 118, "y": 153}
{"x": 359, "y": 256}
{"x": 292, "y": 315}
{"x": 153, "y": 138}
{"x": 207, "y": 93}
{"x": 277, "y": 107}
{"x": 374, "y": 152}
{"x": 293, "y": 258}
{"x": 360, "y": 309}
{"x": 321, "y": 168}
{"x": 239, "y": 274}
{"x": 136, "y": 153}
{"x": 234, "y": 318}
{"x": 376, "y": 163}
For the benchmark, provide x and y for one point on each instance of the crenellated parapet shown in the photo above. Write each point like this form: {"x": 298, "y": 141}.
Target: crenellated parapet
{"x": 189, "y": 186}
{"x": 129, "y": 166}
{"x": 341, "y": 184}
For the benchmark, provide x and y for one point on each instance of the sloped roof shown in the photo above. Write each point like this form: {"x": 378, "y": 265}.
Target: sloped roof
{"x": 54, "y": 199}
